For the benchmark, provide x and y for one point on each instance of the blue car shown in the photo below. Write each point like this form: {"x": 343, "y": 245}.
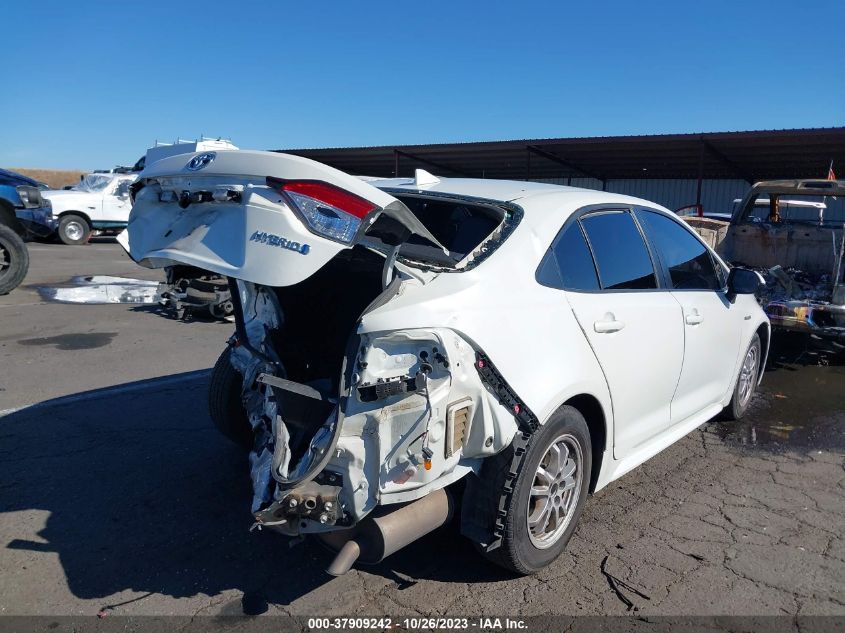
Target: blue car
{"x": 23, "y": 213}
{"x": 21, "y": 201}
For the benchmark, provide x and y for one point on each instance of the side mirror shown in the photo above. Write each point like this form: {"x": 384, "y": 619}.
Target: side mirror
{"x": 742, "y": 281}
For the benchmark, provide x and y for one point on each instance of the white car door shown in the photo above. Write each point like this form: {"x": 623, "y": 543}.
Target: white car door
{"x": 634, "y": 326}
{"x": 712, "y": 324}
{"x": 116, "y": 202}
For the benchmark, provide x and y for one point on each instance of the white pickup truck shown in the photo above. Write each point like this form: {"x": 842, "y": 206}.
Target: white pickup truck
{"x": 100, "y": 202}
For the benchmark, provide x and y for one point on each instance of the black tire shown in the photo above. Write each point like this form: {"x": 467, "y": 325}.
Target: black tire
{"x": 224, "y": 402}
{"x": 74, "y": 230}
{"x": 14, "y": 259}
{"x": 741, "y": 399}
{"x": 518, "y": 551}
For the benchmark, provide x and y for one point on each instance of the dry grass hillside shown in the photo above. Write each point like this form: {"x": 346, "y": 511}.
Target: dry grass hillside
{"x": 56, "y": 178}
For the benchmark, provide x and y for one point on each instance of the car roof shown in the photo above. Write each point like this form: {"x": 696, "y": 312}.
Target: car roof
{"x": 505, "y": 190}
{"x": 490, "y": 189}
{"x": 546, "y": 205}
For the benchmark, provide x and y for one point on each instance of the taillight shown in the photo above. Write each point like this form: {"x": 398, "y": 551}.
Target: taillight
{"x": 328, "y": 210}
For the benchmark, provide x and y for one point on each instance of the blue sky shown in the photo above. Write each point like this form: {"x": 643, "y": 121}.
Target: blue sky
{"x": 95, "y": 83}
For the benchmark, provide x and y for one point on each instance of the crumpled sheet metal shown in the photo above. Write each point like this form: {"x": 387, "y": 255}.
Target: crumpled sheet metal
{"x": 270, "y": 458}
{"x": 796, "y": 300}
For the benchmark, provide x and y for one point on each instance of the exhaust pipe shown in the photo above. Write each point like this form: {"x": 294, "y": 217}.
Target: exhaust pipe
{"x": 378, "y": 537}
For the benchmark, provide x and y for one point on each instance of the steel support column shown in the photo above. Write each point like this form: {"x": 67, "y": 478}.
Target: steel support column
{"x": 700, "y": 173}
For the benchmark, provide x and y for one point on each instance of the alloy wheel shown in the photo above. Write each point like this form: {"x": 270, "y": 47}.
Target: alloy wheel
{"x": 748, "y": 374}
{"x": 555, "y": 491}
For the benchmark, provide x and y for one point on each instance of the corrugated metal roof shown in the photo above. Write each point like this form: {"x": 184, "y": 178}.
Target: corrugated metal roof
{"x": 748, "y": 155}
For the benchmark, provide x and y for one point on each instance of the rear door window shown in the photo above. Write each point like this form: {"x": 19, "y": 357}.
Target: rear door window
{"x": 620, "y": 253}
{"x": 687, "y": 259}
{"x": 577, "y": 270}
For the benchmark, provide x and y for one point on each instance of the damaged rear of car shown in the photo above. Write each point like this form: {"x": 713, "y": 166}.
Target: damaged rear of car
{"x": 358, "y": 403}
{"x": 401, "y": 343}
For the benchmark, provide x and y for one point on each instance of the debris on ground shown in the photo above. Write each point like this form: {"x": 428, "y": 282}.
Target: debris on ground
{"x": 187, "y": 295}
{"x": 102, "y": 289}
{"x": 799, "y": 301}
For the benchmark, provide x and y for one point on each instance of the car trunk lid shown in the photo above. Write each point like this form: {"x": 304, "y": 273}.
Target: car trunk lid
{"x": 265, "y": 217}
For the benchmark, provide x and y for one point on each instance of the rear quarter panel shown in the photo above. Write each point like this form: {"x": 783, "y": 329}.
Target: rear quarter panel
{"x": 527, "y": 330}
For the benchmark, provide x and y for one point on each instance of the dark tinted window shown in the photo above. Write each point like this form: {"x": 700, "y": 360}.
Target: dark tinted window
{"x": 574, "y": 260}
{"x": 688, "y": 261}
{"x": 621, "y": 255}
{"x": 548, "y": 274}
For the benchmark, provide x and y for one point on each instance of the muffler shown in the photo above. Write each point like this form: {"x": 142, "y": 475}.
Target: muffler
{"x": 377, "y": 537}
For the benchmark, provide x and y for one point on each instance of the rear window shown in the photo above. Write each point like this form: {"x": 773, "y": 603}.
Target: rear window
{"x": 460, "y": 226}
{"x": 621, "y": 255}
{"x": 797, "y": 208}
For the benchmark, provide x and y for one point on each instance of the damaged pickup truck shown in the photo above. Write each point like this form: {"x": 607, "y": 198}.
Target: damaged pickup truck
{"x": 792, "y": 232}
{"x": 413, "y": 349}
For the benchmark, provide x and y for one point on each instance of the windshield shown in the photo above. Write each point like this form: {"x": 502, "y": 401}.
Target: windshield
{"x": 93, "y": 182}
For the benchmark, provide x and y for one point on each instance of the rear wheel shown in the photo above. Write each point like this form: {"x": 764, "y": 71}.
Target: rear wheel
{"x": 549, "y": 494}
{"x": 746, "y": 382}
{"x": 14, "y": 260}
{"x": 74, "y": 230}
{"x": 224, "y": 402}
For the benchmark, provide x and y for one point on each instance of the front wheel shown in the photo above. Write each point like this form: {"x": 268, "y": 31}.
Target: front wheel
{"x": 548, "y": 495}
{"x": 74, "y": 230}
{"x": 14, "y": 259}
{"x": 746, "y": 382}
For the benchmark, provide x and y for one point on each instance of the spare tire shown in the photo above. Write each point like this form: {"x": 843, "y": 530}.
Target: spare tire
{"x": 224, "y": 402}
{"x": 14, "y": 259}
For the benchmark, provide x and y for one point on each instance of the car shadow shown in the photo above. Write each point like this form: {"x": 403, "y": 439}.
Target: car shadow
{"x": 144, "y": 495}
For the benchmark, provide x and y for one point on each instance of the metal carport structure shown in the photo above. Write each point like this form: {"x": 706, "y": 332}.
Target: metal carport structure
{"x": 731, "y": 156}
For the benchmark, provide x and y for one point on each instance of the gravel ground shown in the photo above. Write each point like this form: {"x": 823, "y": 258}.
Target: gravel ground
{"x": 116, "y": 495}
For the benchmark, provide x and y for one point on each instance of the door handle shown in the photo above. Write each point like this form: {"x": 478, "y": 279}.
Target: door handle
{"x": 608, "y": 326}
{"x": 693, "y": 318}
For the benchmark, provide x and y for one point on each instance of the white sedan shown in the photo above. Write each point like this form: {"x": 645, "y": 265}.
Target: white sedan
{"x": 405, "y": 343}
